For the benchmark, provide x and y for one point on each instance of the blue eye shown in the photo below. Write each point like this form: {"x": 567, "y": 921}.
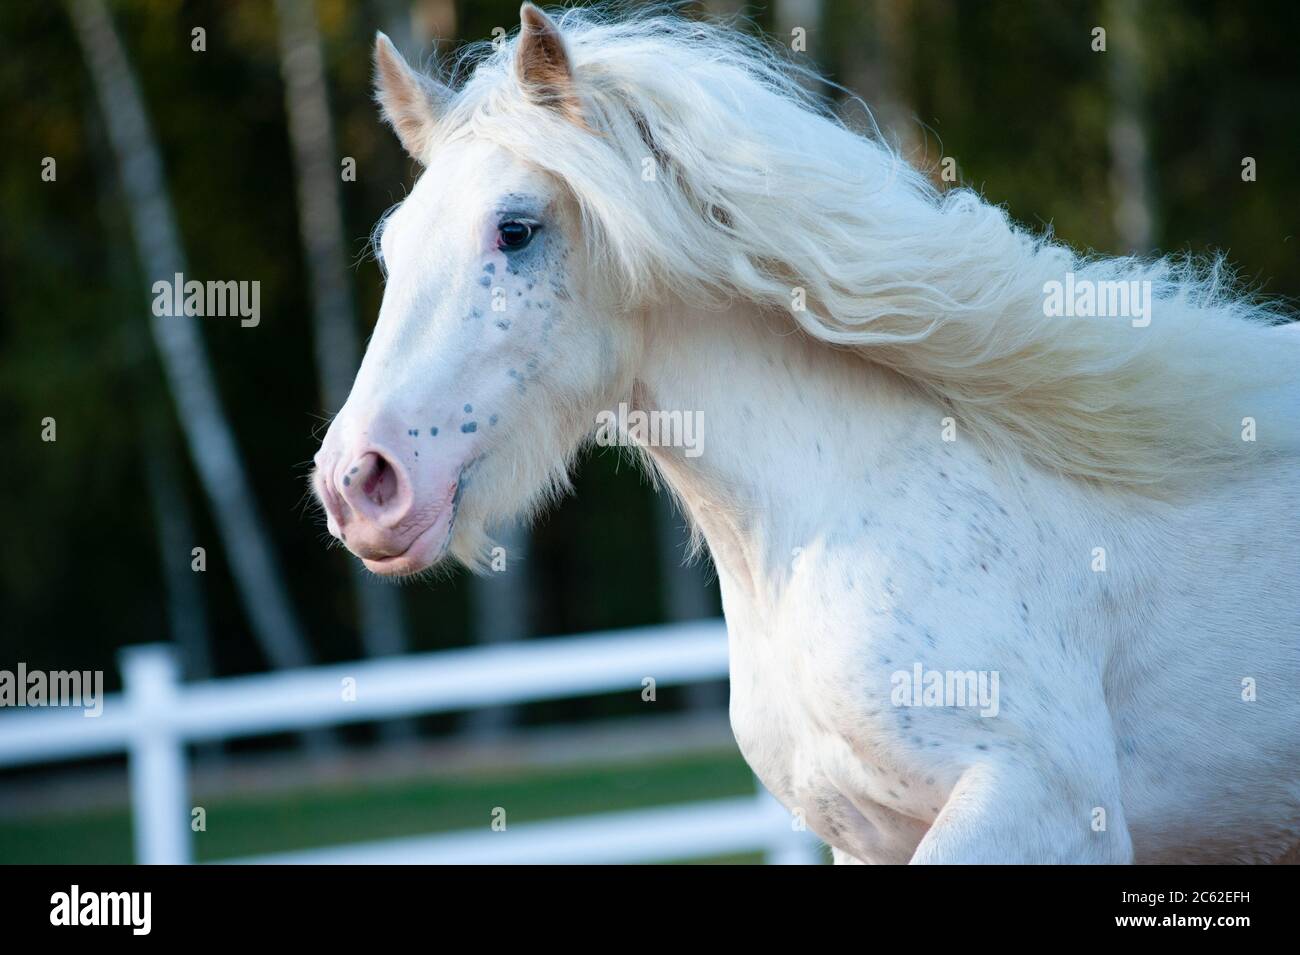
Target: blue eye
{"x": 514, "y": 234}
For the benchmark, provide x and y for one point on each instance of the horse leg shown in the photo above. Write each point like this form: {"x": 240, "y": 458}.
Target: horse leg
{"x": 1018, "y": 812}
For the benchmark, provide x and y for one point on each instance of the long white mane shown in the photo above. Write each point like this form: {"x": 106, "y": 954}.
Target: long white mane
{"x": 707, "y": 171}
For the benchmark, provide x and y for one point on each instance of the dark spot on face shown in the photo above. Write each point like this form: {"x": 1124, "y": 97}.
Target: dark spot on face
{"x": 503, "y": 324}
{"x": 469, "y": 427}
{"x": 414, "y": 432}
{"x": 433, "y": 432}
{"x": 492, "y": 420}
{"x": 981, "y": 746}
{"x": 347, "y": 481}
{"x": 485, "y": 281}
{"x": 354, "y": 470}
{"x": 468, "y": 409}
{"x": 490, "y": 268}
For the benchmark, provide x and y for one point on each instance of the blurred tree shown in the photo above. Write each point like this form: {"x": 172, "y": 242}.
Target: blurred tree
{"x": 1130, "y": 163}
{"x": 798, "y": 27}
{"x": 176, "y": 536}
{"x": 320, "y": 223}
{"x": 186, "y": 616}
{"x": 874, "y": 66}
{"x": 202, "y": 419}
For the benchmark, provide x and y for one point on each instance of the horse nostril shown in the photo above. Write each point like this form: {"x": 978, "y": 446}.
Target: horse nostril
{"x": 370, "y": 484}
{"x": 381, "y": 485}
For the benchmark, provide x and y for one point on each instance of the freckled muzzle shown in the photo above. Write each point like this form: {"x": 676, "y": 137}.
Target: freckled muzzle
{"x": 396, "y": 519}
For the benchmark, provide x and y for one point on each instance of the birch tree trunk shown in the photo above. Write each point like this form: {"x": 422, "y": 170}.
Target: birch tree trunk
{"x": 798, "y": 13}
{"x": 1130, "y": 162}
{"x": 721, "y": 9}
{"x": 187, "y": 620}
{"x": 173, "y": 529}
{"x": 186, "y": 614}
{"x": 876, "y": 69}
{"x": 805, "y": 15}
{"x": 180, "y": 345}
{"x": 186, "y": 610}
{"x": 320, "y": 224}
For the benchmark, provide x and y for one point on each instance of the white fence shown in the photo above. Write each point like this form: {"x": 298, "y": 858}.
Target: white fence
{"x": 157, "y": 715}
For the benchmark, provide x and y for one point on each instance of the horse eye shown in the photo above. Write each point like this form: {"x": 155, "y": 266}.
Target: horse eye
{"x": 515, "y": 234}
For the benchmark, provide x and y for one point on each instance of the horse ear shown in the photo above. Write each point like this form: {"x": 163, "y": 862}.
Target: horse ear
{"x": 542, "y": 63}
{"x": 410, "y": 101}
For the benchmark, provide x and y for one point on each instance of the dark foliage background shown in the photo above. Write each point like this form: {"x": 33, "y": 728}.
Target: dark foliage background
{"x": 1011, "y": 90}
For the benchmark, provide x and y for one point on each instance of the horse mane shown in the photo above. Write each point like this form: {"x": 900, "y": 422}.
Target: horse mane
{"x": 708, "y": 171}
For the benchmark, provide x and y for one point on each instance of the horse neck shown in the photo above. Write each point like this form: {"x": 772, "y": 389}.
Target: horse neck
{"x": 796, "y": 435}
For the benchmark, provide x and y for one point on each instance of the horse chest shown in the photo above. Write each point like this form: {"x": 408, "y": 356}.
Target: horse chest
{"x": 934, "y": 574}
{"x": 823, "y": 757}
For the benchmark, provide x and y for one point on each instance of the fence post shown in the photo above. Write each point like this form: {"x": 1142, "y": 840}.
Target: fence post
{"x": 156, "y": 756}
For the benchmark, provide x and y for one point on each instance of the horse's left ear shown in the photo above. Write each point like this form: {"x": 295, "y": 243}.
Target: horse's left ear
{"x": 542, "y": 63}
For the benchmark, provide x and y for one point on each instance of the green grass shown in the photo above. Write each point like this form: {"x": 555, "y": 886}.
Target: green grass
{"x": 361, "y": 811}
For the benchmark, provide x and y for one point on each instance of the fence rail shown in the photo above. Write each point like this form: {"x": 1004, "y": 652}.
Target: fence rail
{"x": 157, "y": 715}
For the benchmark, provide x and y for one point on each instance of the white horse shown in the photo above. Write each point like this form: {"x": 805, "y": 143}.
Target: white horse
{"x": 1008, "y": 576}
